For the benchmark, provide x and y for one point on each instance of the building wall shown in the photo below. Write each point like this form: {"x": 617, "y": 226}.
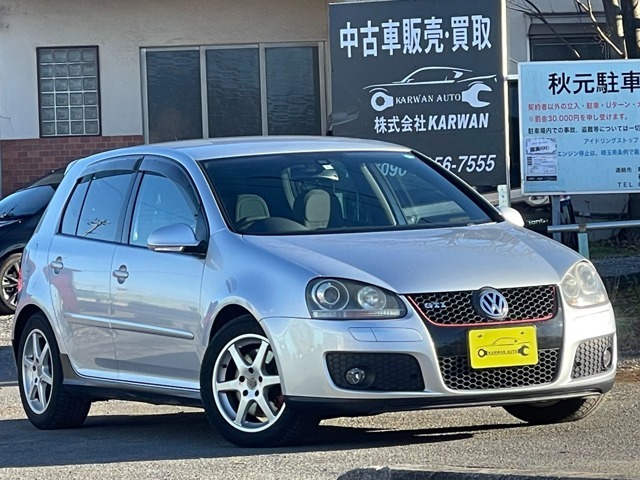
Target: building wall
{"x": 119, "y": 28}
{"x": 28, "y": 159}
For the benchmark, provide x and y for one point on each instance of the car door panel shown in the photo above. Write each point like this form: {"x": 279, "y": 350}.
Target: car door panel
{"x": 79, "y": 260}
{"x": 156, "y": 295}
{"x": 156, "y": 315}
{"x": 81, "y": 296}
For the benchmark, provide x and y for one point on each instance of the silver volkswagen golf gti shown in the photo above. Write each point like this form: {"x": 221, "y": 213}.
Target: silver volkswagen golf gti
{"x": 277, "y": 281}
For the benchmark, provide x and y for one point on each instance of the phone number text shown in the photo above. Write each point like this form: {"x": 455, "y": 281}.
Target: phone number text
{"x": 468, "y": 163}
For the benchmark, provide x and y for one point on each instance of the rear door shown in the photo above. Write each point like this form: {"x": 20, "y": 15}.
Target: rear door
{"x": 80, "y": 259}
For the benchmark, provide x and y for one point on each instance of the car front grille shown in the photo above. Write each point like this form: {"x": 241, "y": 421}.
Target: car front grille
{"x": 588, "y": 360}
{"x": 388, "y": 372}
{"x": 458, "y": 375}
{"x": 456, "y": 308}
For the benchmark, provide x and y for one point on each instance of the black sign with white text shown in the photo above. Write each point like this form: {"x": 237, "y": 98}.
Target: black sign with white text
{"x": 423, "y": 73}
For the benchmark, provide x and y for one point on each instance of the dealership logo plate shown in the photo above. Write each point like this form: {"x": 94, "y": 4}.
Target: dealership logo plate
{"x": 503, "y": 347}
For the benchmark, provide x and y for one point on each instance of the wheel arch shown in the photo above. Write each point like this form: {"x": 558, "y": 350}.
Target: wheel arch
{"x": 10, "y": 250}
{"x": 226, "y": 315}
{"x": 20, "y": 321}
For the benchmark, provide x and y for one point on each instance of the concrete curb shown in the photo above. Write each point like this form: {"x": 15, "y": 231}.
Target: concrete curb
{"x": 423, "y": 473}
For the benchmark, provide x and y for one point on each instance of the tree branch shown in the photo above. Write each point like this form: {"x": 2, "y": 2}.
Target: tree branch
{"x": 601, "y": 33}
{"x": 535, "y": 11}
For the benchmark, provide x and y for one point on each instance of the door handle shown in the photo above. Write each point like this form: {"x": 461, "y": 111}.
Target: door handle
{"x": 56, "y": 265}
{"x": 121, "y": 274}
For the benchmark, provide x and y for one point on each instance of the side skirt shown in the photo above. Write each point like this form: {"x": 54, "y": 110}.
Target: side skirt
{"x": 98, "y": 390}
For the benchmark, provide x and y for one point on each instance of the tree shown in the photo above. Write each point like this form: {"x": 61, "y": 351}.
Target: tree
{"x": 623, "y": 24}
{"x": 622, "y": 33}
{"x": 622, "y": 17}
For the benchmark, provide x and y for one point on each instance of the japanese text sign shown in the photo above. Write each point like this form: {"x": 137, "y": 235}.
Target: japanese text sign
{"x": 428, "y": 74}
{"x": 580, "y": 126}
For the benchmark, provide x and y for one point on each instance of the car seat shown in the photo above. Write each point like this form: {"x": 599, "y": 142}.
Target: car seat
{"x": 318, "y": 208}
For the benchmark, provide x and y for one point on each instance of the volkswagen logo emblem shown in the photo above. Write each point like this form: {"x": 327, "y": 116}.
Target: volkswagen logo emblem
{"x": 492, "y": 304}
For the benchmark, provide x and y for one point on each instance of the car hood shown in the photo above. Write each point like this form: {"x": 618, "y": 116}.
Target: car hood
{"x": 412, "y": 261}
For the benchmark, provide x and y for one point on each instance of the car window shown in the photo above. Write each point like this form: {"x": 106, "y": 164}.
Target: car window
{"x": 53, "y": 178}
{"x": 339, "y": 191}
{"x": 71, "y": 215}
{"x": 103, "y": 208}
{"x": 431, "y": 201}
{"x": 161, "y": 202}
{"x": 25, "y": 202}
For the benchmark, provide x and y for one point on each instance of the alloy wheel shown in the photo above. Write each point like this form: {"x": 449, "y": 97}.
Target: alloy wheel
{"x": 10, "y": 282}
{"x": 246, "y": 384}
{"x": 37, "y": 372}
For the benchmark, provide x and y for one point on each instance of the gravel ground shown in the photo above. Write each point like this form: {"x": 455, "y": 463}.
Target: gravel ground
{"x": 618, "y": 266}
{"x": 5, "y": 330}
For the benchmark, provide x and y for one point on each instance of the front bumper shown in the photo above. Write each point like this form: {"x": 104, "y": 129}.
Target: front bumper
{"x": 304, "y": 346}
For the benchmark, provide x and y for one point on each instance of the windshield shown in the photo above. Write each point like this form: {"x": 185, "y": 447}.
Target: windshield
{"x": 25, "y": 202}
{"x": 325, "y": 192}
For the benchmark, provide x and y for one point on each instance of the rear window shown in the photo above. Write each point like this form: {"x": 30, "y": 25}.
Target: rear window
{"x": 24, "y": 203}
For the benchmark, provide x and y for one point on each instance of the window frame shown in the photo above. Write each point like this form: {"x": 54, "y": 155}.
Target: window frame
{"x": 570, "y": 29}
{"x": 168, "y": 168}
{"x": 573, "y": 40}
{"x": 262, "y": 47}
{"x": 119, "y": 218}
{"x": 98, "y": 105}
{"x": 104, "y": 168}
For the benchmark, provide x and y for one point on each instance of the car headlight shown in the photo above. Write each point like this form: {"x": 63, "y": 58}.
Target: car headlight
{"x": 331, "y": 298}
{"x": 582, "y": 286}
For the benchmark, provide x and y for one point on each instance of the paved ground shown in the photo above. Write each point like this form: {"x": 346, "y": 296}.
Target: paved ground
{"x": 127, "y": 440}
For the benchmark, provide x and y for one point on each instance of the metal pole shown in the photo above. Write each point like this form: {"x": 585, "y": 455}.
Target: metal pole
{"x": 555, "y": 215}
{"x": 583, "y": 228}
{"x": 583, "y": 240}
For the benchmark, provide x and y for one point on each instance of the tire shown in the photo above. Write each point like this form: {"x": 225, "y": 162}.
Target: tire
{"x": 46, "y": 402}
{"x": 9, "y": 272}
{"x": 568, "y": 410}
{"x": 241, "y": 389}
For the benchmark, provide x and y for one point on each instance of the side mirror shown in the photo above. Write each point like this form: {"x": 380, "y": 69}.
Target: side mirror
{"x": 512, "y": 215}
{"x": 172, "y": 238}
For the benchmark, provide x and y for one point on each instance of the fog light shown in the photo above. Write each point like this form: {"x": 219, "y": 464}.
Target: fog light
{"x": 355, "y": 376}
{"x": 607, "y": 358}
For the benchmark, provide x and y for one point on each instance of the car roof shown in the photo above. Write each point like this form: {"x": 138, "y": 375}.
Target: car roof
{"x": 203, "y": 149}
{"x": 52, "y": 178}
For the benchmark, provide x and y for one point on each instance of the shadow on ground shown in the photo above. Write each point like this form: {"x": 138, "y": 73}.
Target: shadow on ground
{"x": 114, "y": 439}
{"x": 8, "y": 374}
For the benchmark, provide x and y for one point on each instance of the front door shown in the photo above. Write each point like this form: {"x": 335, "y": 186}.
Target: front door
{"x": 156, "y": 314}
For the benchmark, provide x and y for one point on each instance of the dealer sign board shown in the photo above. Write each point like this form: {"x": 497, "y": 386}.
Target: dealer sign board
{"x": 580, "y": 126}
{"x": 428, "y": 74}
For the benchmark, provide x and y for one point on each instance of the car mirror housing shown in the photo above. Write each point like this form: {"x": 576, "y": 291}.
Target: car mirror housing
{"x": 172, "y": 238}
{"x": 512, "y": 215}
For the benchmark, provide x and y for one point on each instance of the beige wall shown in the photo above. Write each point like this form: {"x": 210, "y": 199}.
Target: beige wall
{"x": 120, "y": 28}
{"x": 518, "y": 23}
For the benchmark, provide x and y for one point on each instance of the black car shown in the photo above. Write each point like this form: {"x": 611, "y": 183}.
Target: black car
{"x": 20, "y": 212}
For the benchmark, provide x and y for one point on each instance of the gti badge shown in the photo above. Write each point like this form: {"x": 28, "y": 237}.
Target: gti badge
{"x": 434, "y": 305}
{"x": 491, "y": 304}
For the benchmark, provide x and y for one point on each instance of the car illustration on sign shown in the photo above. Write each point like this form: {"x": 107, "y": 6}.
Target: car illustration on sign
{"x": 386, "y": 95}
